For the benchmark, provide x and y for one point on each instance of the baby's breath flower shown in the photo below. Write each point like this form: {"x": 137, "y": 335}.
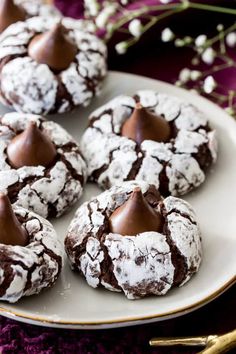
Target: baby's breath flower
{"x": 195, "y": 75}
{"x": 135, "y": 28}
{"x": 104, "y": 15}
{"x": 167, "y": 35}
{"x": 231, "y": 39}
{"x": 208, "y": 56}
{"x": 179, "y": 42}
{"x": 184, "y": 75}
{"x": 209, "y": 84}
{"x": 121, "y": 47}
{"x": 200, "y": 40}
{"x": 187, "y": 40}
{"x": 220, "y": 27}
{"x": 92, "y": 7}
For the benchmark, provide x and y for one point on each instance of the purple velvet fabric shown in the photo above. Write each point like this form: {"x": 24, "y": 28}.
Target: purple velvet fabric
{"x": 152, "y": 59}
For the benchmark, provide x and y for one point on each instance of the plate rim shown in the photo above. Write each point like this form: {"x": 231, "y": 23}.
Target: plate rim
{"x": 121, "y": 322}
{"x": 131, "y": 320}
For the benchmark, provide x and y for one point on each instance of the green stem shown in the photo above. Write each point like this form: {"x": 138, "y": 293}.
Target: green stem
{"x": 216, "y": 38}
{"x": 143, "y": 11}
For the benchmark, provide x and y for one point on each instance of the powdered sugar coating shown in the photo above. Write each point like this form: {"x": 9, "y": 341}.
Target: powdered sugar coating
{"x": 138, "y": 265}
{"x": 27, "y": 270}
{"x": 38, "y": 8}
{"x": 31, "y": 87}
{"x": 175, "y": 167}
{"x": 46, "y": 191}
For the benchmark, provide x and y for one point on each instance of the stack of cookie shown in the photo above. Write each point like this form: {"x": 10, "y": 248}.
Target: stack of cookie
{"x": 137, "y": 236}
{"x": 48, "y": 64}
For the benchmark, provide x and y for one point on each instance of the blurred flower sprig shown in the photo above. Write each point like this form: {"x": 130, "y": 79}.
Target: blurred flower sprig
{"x": 212, "y": 69}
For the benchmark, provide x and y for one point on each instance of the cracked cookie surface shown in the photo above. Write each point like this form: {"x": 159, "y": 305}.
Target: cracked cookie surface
{"x": 30, "y": 87}
{"x": 145, "y": 264}
{"x": 48, "y": 191}
{"x": 174, "y": 167}
{"x": 38, "y": 8}
{"x": 27, "y": 270}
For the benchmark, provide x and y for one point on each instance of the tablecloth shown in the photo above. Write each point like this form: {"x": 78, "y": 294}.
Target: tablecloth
{"x": 150, "y": 58}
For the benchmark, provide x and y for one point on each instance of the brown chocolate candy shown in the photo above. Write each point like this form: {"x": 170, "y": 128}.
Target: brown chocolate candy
{"x": 31, "y": 148}
{"x": 53, "y": 48}
{"x": 11, "y": 231}
{"x": 10, "y": 13}
{"x": 135, "y": 216}
{"x": 144, "y": 125}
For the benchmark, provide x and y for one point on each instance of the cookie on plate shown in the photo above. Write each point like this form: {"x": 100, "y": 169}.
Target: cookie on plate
{"x": 152, "y": 137}
{"x": 12, "y": 11}
{"x": 41, "y": 167}
{"x": 30, "y": 253}
{"x": 132, "y": 240}
{"x": 48, "y": 66}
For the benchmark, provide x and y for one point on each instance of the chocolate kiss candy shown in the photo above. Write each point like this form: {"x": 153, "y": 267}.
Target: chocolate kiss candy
{"x": 10, "y": 13}
{"x": 31, "y": 148}
{"x": 135, "y": 216}
{"x": 143, "y": 125}
{"x": 53, "y": 48}
{"x": 11, "y": 231}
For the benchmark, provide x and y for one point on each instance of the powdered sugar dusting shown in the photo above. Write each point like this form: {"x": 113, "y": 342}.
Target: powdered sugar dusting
{"x": 137, "y": 265}
{"x": 37, "y": 188}
{"x": 27, "y": 270}
{"x": 112, "y": 158}
{"x": 34, "y": 88}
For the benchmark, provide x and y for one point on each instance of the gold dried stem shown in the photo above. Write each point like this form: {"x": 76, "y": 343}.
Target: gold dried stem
{"x": 222, "y": 344}
{"x": 214, "y": 344}
{"x": 202, "y": 341}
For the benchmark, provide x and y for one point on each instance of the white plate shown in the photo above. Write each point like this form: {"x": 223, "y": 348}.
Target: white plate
{"x": 71, "y": 303}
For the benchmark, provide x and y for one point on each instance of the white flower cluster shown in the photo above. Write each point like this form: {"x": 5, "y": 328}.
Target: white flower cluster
{"x": 207, "y": 53}
{"x": 92, "y": 7}
{"x": 103, "y": 17}
{"x": 186, "y": 74}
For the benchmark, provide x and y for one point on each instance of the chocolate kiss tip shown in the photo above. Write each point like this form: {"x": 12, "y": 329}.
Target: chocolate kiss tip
{"x": 31, "y": 148}
{"x": 10, "y": 13}
{"x": 138, "y": 105}
{"x": 135, "y": 216}
{"x": 53, "y": 48}
{"x": 144, "y": 125}
{"x": 11, "y": 231}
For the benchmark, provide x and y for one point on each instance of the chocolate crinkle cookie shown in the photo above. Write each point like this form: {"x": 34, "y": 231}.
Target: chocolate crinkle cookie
{"x": 41, "y": 167}
{"x": 152, "y": 137}
{"x": 30, "y": 253}
{"x": 49, "y": 65}
{"x": 12, "y": 11}
{"x": 129, "y": 239}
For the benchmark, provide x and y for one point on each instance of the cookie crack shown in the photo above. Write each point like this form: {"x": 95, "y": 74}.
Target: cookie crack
{"x": 178, "y": 260}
